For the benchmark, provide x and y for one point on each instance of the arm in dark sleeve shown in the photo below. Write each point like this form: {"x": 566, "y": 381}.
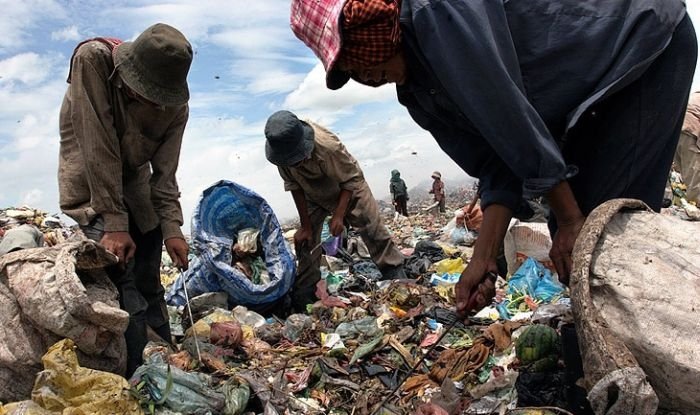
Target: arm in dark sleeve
{"x": 165, "y": 193}
{"x": 469, "y": 47}
{"x": 92, "y": 119}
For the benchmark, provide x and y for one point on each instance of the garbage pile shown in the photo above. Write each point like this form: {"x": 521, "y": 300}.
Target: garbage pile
{"x": 369, "y": 346}
{"x": 680, "y": 206}
{"x": 366, "y": 346}
{"x": 27, "y": 227}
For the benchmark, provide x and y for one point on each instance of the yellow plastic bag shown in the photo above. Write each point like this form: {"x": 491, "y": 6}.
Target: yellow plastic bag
{"x": 202, "y": 328}
{"x": 66, "y": 388}
{"x": 450, "y": 266}
{"x": 24, "y": 408}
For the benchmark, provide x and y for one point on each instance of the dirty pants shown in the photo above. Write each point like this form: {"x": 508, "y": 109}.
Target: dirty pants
{"x": 687, "y": 160}
{"x": 400, "y": 205}
{"x": 140, "y": 291}
{"x": 624, "y": 145}
{"x": 363, "y": 216}
{"x": 441, "y": 205}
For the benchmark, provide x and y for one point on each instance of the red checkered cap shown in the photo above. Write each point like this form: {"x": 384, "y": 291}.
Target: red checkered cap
{"x": 317, "y": 24}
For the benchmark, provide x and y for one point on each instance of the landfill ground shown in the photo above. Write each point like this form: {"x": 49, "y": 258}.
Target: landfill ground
{"x": 365, "y": 347}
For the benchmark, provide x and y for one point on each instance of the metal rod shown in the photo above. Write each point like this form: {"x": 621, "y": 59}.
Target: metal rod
{"x": 189, "y": 310}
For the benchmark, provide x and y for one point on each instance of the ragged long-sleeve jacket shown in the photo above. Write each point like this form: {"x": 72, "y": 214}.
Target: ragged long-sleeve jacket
{"x": 498, "y": 83}
{"x": 118, "y": 156}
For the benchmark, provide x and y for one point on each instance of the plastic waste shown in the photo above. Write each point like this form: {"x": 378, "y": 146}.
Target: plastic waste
{"x": 247, "y": 240}
{"x": 189, "y": 393}
{"x": 333, "y": 282}
{"x": 295, "y": 325}
{"x": 248, "y": 317}
{"x": 462, "y": 236}
{"x": 535, "y": 280}
{"x": 450, "y": 266}
{"x": 236, "y": 394}
{"x": 367, "y": 269}
{"x": 445, "y": 279}
{"x": 550, "y": 313}
{"x": 329, "y": 242}
{"x": 66, "y": 387}
{"x": 364, "y": 328}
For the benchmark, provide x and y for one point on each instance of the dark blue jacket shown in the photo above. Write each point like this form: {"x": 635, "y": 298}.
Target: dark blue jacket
{"x": 498, "y": 83}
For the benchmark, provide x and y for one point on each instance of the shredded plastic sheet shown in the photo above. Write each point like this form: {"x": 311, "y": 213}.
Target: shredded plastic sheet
{"x": 224, "y": 209}
{"x": 64, "y": 387}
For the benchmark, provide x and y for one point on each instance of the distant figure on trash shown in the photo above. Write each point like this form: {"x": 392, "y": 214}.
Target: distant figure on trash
{"x": 399, "y": 193}
{"x": 438, "y": 191}
{"x": 581, "y": 101}
{"x": 121, "y": 126}
{"x": 325, "y": 179}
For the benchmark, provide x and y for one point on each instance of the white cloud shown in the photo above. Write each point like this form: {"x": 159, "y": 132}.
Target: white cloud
{"x": 198, "y": 19}
{"x": 33, "y": 197}
{"x": 29, "y": 68}
{"x": 274, "y": 81}
{"x": 31, "y": 117}
{"x": 315, "y": 101}
{"x": 19, "y": 19}
{"x": 257, "y": 41}
{"x": 68, "y": 33}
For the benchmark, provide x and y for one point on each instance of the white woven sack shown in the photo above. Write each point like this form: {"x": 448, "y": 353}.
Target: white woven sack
{"x": 645, "y": 281}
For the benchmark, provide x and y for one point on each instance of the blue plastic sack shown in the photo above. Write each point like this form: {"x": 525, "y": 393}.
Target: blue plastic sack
{"x": 535, "y": 280}
{"x": 224, "y": 209}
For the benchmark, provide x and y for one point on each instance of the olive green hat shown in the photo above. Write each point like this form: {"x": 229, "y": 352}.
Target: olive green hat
{"x": 155, "y": 65}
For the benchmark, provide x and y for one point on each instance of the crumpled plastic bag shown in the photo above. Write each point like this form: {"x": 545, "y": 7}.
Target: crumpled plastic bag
{"x": 247, "y": 240}
{"x": 536, "y": 280}
{"x": 66, "y": 387}
{"x": 24, "y": 408}
{"x": 190, "y": 393}
{"x": 367, "y": 269}
{"x": 450, "y": 266}
{"x": 462, "y": 236}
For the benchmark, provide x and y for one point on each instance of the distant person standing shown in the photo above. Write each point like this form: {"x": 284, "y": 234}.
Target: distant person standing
{"x": 687, "y": 156}
{"x": 399, "y": 192}
{"x": 438, "y": 190}
{"x": 325, "y": 179}
{"x": 121, "y": 125}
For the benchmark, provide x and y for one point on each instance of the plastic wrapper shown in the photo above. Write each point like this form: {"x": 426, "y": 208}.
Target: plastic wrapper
{"x": 535, "y": 280}
{"x": 189, "y": 393}
{"x": 450, "y": 266}
{"x": 66, "y": 387}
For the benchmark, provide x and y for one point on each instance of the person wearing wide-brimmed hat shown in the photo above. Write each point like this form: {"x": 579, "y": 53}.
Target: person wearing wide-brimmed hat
{"x": 325, "y": 179}
{"x": 121, "y": 125}
{"x": 580, "y": 101}
{"x": 438, "y": 190}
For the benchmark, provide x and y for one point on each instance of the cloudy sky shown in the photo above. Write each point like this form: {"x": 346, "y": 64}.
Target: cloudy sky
{"x": 248, "y": 64}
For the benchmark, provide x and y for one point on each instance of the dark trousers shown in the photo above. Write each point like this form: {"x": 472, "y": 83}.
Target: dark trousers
{"x": 363, "y": 215}
{"x": 624, "y": 145}
{"x": 400, "y": 204}
{"x": 441, "y": 205}
{"x": 140, "y": 291}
